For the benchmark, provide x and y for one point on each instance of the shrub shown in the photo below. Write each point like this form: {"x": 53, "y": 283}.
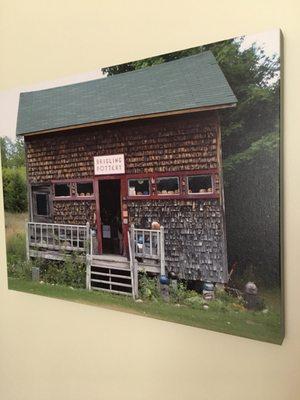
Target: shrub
{"x": 179, "y": 293}
{"x": 194, "y": 301}
{"x": 71, "y": 272}
{"x": 21, "y": 269}
{"x": 148, "y": 287}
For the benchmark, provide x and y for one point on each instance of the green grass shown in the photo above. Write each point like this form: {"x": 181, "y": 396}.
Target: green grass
{"x": 253, "y": 325}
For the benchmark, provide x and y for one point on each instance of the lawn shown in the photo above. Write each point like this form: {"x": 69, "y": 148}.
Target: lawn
{"x": 253, "y": 325}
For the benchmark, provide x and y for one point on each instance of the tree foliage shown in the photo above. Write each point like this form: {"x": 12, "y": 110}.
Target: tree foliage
{"x": 250, "y": 146}
{"x": 13, "y": 174}
{"x": 12, "y": 152}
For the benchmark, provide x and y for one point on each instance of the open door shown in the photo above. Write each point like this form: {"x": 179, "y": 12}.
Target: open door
{"x": 110, "y": 216}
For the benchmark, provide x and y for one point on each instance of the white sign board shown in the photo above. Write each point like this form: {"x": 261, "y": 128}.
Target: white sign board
{"x": 106, "y": 232}
{"x": 109, "y": 165}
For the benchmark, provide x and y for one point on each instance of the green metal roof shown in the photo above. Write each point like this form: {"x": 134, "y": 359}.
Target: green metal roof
{"x": 186, "y": 83}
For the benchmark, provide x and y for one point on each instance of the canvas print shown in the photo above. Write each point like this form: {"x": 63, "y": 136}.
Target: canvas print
{"x": 154, "y": 187}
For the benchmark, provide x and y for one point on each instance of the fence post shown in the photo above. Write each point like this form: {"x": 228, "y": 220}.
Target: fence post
{"x": 162, "y": 251}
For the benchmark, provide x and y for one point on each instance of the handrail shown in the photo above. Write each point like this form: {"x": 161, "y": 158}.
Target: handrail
{"x": 147, "y": 230}
{"x": 53, "y": 223}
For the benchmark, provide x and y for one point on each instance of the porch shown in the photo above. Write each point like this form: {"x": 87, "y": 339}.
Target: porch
{"x": 107, "y": 272}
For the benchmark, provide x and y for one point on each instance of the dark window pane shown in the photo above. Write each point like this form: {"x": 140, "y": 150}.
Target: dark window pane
{"x": 167, "y": 185}
{"x": 85, "y": 189}
{"x": 62, "y": 190}
{"x": 199, "y": 184}
{"x": 139, "y": 187}
{"x": 42, "y": 206}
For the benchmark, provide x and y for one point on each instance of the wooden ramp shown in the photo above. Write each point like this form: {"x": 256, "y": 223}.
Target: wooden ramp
{"x": 111, "y": 273}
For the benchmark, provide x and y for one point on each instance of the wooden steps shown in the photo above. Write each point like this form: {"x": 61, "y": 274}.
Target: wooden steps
{"x": 110, "y": 258}
{"x": 110, "y": 264}
{"x": 111, "y": 273}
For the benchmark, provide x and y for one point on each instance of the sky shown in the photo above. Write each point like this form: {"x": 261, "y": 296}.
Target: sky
{"x": 9, "y": 99}
{"x": 268, "y": 40}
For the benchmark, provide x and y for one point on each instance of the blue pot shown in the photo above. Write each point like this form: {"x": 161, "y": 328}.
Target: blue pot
{"x": 208, "y": 286}
{"x": 164, "y": 280}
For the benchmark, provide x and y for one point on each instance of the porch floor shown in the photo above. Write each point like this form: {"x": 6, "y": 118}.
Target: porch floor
{"x": 109, "y": 257}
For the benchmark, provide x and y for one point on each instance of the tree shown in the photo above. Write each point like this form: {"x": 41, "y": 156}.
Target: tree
{"x": 13, "y": 173}
{"x": 12, "y": 152}
{"x": 14, "y": 189}
{"x": 4, "y": 144}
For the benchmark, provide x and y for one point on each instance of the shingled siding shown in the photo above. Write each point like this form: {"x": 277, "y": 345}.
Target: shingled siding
{"x": 74, "y": 212}
{"x": 194, "y": 235}
{"x": 161, "y": 144}
{"x": 194, "y": 229}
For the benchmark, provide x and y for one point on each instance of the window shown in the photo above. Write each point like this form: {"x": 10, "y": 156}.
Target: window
{"x": 167, "y": 186}
{"x": 85, "y": 189}
{"x": 42, "y": 204}
{"x": 138, "y": 187}
{"x": 186, "y": 184}
{"x": 199, "y": 184}
{"x": 62, "y": 190}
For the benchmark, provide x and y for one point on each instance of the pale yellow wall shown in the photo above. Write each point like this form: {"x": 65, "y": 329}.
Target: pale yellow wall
{"x": 51, "y": 349}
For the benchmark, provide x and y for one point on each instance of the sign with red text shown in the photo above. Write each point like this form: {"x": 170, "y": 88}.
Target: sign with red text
{"x": 109, "y": 165}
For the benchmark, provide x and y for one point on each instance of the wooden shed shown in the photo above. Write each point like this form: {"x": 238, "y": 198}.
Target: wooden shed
{"x": 132, "y": 149}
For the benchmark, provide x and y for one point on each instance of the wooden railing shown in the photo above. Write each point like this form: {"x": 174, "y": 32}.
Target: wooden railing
{"x": 148, "y": 244}
{"x": 58, "y": 237}
{"x": 44, "y": 239}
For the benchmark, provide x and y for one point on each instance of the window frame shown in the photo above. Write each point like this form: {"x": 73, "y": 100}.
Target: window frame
{"x": 77, "y": 195}
{"x": 168, "y": 177}
{"x": 40, "y": 188}
{"x": 35, "y": 193}
{"x": 183, "y": 187}
{"x": 142, "y": 196}
{"x": 198, "y": 193}
{"x": 62, "y": 183}
{"x": 74, "y": 196}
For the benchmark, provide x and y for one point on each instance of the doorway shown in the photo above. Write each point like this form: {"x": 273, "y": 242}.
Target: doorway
{"x": 110, "y": 216}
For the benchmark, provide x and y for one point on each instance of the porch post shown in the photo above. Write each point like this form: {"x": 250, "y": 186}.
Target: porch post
{"x": 162, "y": 251}
{"x": 27, "y": 239}
{"x": 132, "y": 241}
{"x": 89, "y": 252}
{"x": 134, "y": 262}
